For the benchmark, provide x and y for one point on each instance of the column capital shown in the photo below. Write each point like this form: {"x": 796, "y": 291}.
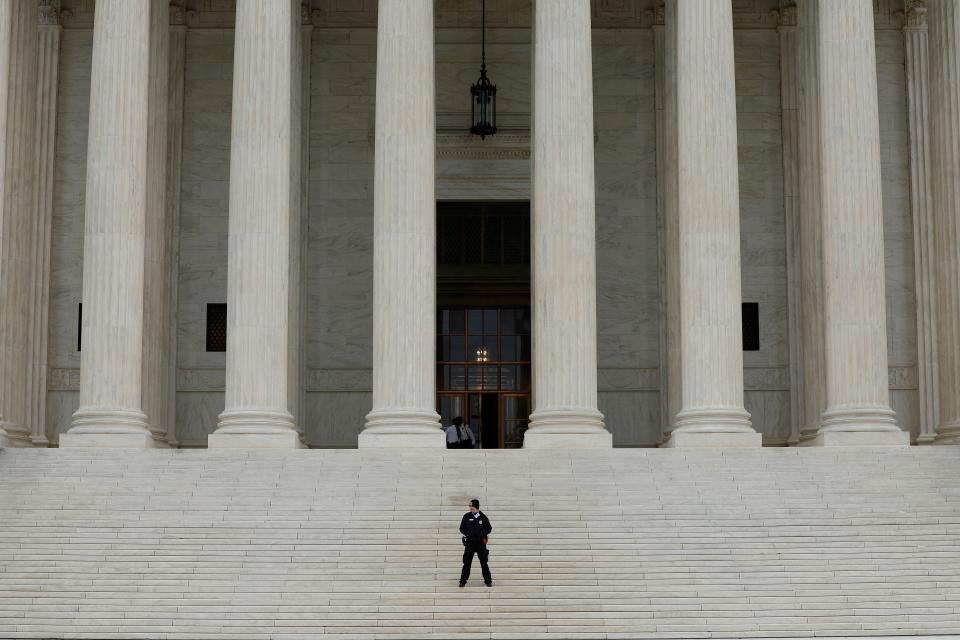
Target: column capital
{"x": 785, "y": 17}
{"x": 656, "y": 15}
{"x": 914, "y": 15}
{"x": 178, "y": 15}
{"x": 51, "y": 14}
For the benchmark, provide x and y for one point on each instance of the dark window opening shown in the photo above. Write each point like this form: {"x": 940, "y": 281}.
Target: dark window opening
{"x": 79, "y": 324}
{"x": 217, "y": 326}
{"x": 750, "y": 312}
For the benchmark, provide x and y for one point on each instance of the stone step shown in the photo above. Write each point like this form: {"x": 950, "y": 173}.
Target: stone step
{"x": 363, "y": 544}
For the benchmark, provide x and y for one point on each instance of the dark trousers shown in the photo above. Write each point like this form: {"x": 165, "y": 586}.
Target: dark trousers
{"x": 481, "y": 550}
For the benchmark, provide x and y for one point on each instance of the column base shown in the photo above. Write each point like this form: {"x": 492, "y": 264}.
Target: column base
{"x": 105, "y": 440}
{"x": 859, "y": 439}
{"x": 108, "y": 429}
{"x": 713, "y": 440}
{"x": 255, "y": 429}
{"x": 567, "y": 429}
{"x": 598, "y": 439}
{"x": 862, "y": 425}
{"x": 14, "y": 436}
{"x": 947, "y": 433}
{"x": 402, "y": 428}
{"x": 386, "y": 440}
{"x": 713, "y": 427}
{"x": 228, "y": 440}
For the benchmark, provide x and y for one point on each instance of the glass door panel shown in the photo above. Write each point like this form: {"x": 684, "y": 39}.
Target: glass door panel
{"x": 516, "y": 417}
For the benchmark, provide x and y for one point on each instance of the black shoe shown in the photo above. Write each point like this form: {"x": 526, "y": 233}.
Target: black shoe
{"x": 489, "y": 584}
{"x": 463, "y": 584}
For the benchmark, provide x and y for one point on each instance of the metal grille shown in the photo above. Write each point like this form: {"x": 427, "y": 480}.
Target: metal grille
{"x": 483, "y": 233}
{"x": 217, "y": 326}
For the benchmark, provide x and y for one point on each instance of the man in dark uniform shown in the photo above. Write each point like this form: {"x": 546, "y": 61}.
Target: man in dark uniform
{"x": 475, "y": 527}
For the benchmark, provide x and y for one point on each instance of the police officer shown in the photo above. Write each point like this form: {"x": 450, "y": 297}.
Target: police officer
{"x": 475, "y": 527}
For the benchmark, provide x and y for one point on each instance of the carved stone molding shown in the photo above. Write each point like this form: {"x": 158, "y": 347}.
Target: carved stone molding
{"x": 466, "y": 146}
{"x": 63, "y": 380}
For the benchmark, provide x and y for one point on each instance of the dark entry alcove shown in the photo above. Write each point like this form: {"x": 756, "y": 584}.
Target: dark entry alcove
{"x": 483, "y": 318}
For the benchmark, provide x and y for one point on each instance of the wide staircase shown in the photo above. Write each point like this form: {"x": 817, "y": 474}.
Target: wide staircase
{"x": 364, "y": 544}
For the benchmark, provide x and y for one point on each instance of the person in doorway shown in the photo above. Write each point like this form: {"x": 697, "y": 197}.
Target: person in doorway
{"x": 475, "y": 527}
{"x": 459, "y": 435}
{"x": 452, "y": 438}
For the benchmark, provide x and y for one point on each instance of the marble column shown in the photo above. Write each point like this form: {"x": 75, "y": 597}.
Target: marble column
{"x": 666, "y": 232}
{"x": 306, "y": 49}
{"x": 700, "y": 38}
{"x": 18, "y": 80}
{"x": 810, "y": 249}
{"x": 918, "y": 118}
{"x": 564, "y": 289}
{"x": 855, "y": 332}
{"x": 404, "y": 222}
{"x": 111, "y": 364}
{"x": 175, "y": 80}
{"x": 790, "y": 126}
{"x": 120, "y": 150}
{"x": 263, "y": 272}
{"x": 48, "y": 58}
{"x": 945, "y": 164}
{"x": 156, "y": 286}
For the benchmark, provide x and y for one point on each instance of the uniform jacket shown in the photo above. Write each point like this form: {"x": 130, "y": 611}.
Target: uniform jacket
{"x": 476, "y": 528}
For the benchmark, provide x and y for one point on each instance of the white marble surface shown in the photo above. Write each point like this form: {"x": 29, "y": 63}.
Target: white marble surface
{"x": 339, "y": 326}
{"x": 263, "y": 283}
{"x": 120, "y": 150}
{"x": 855, "y": 328}
{"x": 404, "y": 231}
{"x": 18, "y": 102}
{"x": 702, "y": 105}
{"x": 945, "y": 157}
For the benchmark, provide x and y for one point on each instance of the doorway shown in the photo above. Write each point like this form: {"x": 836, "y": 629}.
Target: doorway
{"x": 483, "y": 372}
{"x": 483, "y": 318}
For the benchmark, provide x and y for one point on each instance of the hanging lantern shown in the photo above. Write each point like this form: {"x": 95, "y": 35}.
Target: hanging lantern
{"x": 483, "y": 94}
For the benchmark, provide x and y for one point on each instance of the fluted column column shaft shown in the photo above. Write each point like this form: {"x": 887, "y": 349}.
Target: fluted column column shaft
{"x": 855, "y": 332}
{"x": 178, "y": 39}
{"x": 115, "y": 217}
{"x": 404, "y": 223}
{"x": 700, "y": 36}
{"x": 945, "y": 163}
{"x": 48, "y": 61}
{"x": 667, "y": 246}
{"x": 564, "y": 287}
{"x": 790, "y": 125}
{"x": 156, "y": 286}
{"x": 810, "y": 251}
{"x": 918, "y": 118}
{"x": 18, "y": 80}
{"x": 263, "y": 263}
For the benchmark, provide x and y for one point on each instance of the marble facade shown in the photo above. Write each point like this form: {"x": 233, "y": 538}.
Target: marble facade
{"x": 630, "y": 80}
